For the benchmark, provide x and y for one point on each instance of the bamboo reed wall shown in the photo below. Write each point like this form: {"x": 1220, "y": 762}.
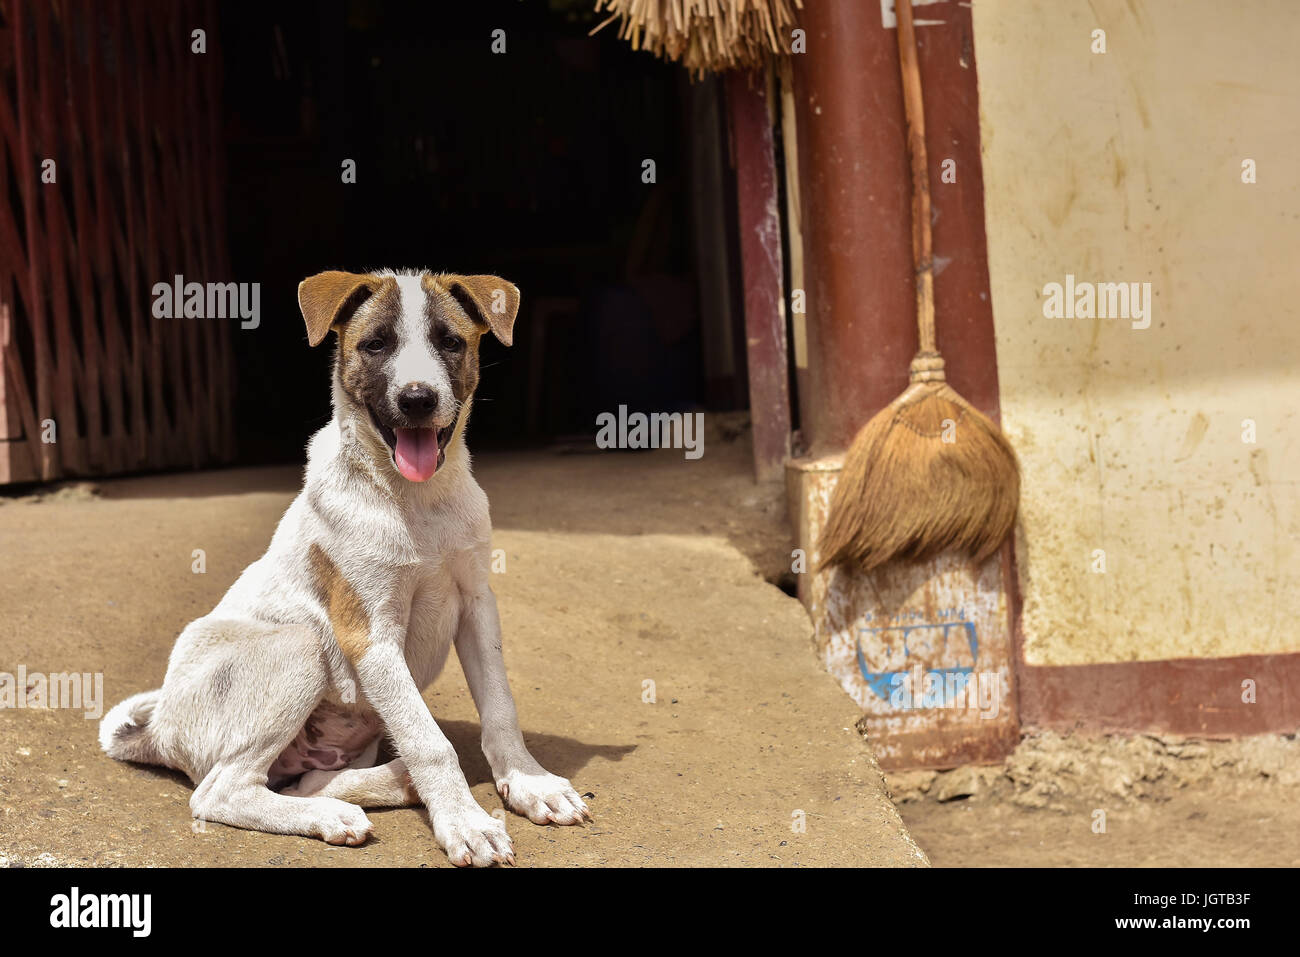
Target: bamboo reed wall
{"x": 113, "y": 94}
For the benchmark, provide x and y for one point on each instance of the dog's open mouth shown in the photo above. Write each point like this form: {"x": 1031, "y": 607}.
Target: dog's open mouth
{"x": 417, "y": 453}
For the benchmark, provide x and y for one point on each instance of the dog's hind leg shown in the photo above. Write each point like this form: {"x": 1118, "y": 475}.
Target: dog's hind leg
{"x": 236, "y": 695}
{"x": 388, "y": 785}
{"x": 235, "y": 797}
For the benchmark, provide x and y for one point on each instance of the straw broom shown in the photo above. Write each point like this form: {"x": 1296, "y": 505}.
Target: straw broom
{"x": 929, "y": 472}
{"x": 705, "y": 35}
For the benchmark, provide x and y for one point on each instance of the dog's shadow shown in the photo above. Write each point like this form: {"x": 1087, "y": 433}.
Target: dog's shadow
{"x": 558, "y": 754}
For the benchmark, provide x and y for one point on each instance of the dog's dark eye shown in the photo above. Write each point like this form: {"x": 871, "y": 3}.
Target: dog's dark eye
{"x": 374, "y": 346}
{"x": 453, "y": 343}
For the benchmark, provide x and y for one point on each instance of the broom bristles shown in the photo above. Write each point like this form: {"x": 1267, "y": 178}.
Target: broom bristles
{"x": 905, "y": 493}
{"x": 705, "y": 35}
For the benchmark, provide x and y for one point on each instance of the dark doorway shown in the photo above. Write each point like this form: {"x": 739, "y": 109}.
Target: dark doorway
{"x": 527, "y": 163}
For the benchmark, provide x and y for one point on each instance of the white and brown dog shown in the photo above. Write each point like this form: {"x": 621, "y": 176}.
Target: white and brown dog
{"x": 275, "y": 703}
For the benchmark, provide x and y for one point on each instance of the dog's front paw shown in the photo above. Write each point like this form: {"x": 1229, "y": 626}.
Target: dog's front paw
{"x": 472, "y": 837}
{"x": 542, "y": 798}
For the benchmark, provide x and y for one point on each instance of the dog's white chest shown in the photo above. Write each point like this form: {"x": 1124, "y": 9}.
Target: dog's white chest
{"x": 435, "y": 615}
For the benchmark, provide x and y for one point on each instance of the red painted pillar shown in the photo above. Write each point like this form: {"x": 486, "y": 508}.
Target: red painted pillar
{"x": 856, "y": 217}
{"x": 761, "y": 266}
{"x": 854, "y": 210}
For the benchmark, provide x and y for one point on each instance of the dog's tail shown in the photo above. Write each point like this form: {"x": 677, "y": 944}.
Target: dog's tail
{"x": 124, "y": 733}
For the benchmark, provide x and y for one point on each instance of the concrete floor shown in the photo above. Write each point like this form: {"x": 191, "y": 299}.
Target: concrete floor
{"x": 620, "y": 568}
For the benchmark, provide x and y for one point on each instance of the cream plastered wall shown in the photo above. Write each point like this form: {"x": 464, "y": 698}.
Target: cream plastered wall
{"x": 1126, "y": 166}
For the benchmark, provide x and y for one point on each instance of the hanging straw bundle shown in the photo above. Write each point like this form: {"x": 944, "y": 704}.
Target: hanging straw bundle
{"x": 929, "y": 472}
{"x": 705, "y": 35}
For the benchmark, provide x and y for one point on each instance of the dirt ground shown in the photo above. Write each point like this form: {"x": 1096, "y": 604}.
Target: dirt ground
{"x": 1113, "y": 801}
{"x": 1194, "y": 830}
{"x": 620, "y": 569}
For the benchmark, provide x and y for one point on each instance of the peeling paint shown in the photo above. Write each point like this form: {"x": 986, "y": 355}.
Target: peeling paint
{"x": 938, "y": 629}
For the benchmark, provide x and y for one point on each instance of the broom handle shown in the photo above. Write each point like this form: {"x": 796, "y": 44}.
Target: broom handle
{"x": 914, "y": 110}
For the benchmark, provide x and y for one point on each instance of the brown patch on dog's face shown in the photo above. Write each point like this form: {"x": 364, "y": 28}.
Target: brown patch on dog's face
{"x": 490, "y": 301}
{"x": 346, "y": 612}
{"x": 366, "y": 342}
{"x": 454, "y": 336}
{"x": 328, "y": 298}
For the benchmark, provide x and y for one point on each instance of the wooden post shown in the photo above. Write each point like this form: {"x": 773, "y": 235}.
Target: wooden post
{"x": 749, "y": 108}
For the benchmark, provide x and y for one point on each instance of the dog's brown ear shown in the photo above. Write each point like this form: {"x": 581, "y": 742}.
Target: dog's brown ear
{"x": 489, "y": 300}
{"x": 324, "y": 297}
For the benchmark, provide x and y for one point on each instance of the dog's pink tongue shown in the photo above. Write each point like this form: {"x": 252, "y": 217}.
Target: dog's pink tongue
{"x": 417, "y": 453}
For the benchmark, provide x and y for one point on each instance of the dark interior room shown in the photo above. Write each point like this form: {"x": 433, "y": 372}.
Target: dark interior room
{"x": 530, "y": 163}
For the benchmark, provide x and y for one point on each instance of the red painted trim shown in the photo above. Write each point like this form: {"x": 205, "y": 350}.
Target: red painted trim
{"x": 1187, "y": 696}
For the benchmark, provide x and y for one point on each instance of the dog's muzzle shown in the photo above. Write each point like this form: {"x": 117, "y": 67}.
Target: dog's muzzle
{"x": 417, "y": 453}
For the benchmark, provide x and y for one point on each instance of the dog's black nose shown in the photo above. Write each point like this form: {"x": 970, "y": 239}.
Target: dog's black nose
{"x": 417, "y": 400}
